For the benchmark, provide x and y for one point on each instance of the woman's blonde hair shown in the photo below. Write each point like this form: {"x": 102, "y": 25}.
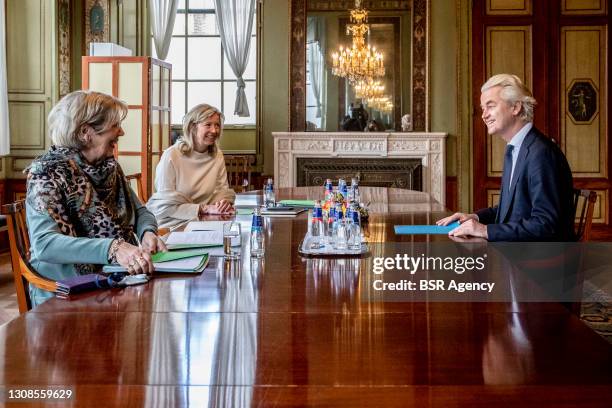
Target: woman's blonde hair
{"x": 513, "y": 90}
{"x": 79, "y": 108}
{"x": 198, "y": 114}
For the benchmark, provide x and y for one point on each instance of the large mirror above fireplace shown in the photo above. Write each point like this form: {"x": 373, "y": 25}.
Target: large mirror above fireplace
{"x": 321, "y": 98}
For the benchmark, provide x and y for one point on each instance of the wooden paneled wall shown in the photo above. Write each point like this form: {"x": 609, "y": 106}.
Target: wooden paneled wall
{"x": 559, "y": 48}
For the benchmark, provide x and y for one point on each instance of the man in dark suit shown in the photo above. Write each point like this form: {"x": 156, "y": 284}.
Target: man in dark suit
{"x": 536, "y": 202}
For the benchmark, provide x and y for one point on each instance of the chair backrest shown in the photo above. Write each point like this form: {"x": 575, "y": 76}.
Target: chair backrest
{"x": 584, "y": 205}
{"x": 19, "y": 243}
{"x": 238, "y": 172}
{"x": 139, "y": 187}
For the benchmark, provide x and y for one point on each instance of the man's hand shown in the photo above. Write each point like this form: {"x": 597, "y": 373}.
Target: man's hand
{"x": 470, "y": 228}
{"x": 457, "y": 216}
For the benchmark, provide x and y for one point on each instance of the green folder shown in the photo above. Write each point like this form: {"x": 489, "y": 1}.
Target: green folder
{"x": 297, "y": 203}
{"x": 244, "y": 211}
{"x": 175, "y": 255}
{"x": 180, "y": 262}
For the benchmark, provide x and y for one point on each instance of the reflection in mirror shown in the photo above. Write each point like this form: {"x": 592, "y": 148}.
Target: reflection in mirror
{"x": 334, "y": 103}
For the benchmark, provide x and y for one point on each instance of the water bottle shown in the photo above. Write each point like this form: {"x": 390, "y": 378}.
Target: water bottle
{"x": 257, "y": 235}
{"x": 342, "y": 188}
{"x": 316, "y": 229}
{"x": 354, "y": 191}
{"x": 269, "y": 199}
{"x": 340, "y": 231}
{"x": 329, "y": 227}
{"x": 329, "y": 190}
{"x": 355, "y": 228}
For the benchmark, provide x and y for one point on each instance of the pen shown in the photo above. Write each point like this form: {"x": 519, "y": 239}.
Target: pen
{"x": 137, "y": 240}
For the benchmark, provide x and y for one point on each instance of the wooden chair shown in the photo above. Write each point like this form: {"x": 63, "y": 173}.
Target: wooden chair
{"x": 584, "y": 204}
{"x": 238, "y": 172}
{"x": 19, "y": 242}
{"x": 139, "y": 187}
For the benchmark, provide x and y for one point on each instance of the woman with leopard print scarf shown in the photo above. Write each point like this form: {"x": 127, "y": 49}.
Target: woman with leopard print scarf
{"x": 81, "y": 212}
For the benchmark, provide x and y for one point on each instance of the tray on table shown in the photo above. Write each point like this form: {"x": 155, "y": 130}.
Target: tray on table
{"x": 328, "y": 251}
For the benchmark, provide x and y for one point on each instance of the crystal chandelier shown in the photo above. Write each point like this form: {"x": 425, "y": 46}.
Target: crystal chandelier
{"x": 360, "y": 62}
{"x": 382, "y": 104}
{"x": 369, "y": 89}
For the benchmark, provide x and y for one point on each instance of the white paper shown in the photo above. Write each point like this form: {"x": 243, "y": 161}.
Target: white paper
{"x": 205, "y": 226}
{"x": 195, "y": 237}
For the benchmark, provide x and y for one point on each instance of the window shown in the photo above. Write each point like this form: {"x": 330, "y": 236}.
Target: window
{"x": 200, "y": 73}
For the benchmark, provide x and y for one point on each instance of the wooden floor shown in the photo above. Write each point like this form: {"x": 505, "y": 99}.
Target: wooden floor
{"x": 8, "y": 298}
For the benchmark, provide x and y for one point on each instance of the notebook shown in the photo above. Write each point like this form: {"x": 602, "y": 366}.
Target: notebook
{"x": 81, "y": 283}
{"x": 282, "y": 211}
{"x": 298, "y": 203}
{"x": 425, "y": 229}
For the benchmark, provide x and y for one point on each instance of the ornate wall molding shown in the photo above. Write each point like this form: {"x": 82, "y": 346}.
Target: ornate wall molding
{"x": 430, "y": 148}
{"x": 64, "y": 45}
{"x": 297, "y": 66}
{"x": 420, "y": 65}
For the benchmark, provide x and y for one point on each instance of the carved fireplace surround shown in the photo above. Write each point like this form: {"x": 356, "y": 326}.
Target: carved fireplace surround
{"x": 430, "y": 148}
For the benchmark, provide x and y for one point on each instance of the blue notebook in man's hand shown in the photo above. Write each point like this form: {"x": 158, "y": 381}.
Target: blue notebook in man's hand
{"x": 425, "y": 229}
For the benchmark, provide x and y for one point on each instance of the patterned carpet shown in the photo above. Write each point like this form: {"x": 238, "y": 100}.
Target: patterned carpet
{"x": 598, "y": 316}
{"x": 8, "y": 298}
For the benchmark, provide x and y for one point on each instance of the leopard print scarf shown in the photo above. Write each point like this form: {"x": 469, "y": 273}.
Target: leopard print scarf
{"x": 85, "y": 200}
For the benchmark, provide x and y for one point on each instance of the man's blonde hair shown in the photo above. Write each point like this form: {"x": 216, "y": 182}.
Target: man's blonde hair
{"x": 80, "y": 108}
{"x": 513, "y": 90}
{"x": 198, "y": 114}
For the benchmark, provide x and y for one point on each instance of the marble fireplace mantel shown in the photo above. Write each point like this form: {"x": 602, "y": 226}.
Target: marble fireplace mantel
{"x": 429, "y": 147}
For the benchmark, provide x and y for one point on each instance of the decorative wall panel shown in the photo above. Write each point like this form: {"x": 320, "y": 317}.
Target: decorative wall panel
{"x": 509, "y": 7}
{"x": 27, "y": 125}
{"x": 573, "y": 7}
{"x": 583, "y": 99}
{"x": 25, "y": 51}
{"x": 599, "y": 212}
{"x": 508, "y": 50}
{"x": 492, "y": 197}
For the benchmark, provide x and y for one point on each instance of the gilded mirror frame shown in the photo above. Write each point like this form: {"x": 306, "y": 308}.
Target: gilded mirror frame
{"x": 419, "y": 75}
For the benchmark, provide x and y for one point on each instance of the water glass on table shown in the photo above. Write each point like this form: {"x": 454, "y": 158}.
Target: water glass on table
{"x": 232, "y": 240}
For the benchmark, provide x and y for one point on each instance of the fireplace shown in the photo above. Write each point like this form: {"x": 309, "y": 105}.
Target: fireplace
{"x": 377, "y": 172}
{"x": 408, "y": 160}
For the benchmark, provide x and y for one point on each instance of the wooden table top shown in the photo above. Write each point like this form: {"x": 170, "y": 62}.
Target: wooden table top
{"x": 290, "y": 331}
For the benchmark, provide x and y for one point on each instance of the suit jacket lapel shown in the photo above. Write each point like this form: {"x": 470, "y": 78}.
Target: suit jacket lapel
{"x": 521, "y": 162}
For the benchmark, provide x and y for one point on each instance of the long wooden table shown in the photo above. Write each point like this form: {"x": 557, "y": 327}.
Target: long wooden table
{"x": 290, "y": 331}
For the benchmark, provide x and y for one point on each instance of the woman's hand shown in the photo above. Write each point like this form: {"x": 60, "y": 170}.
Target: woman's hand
{"x": 223, "y": 207}
{"x": 134, "y": 259}
{"x": 151, "y": 243}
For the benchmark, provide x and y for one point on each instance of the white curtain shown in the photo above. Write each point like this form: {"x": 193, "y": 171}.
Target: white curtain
{"x": 315, "y": 40}
{"x": 235, "y": 23}
{"x": 5, "y": 142}
{"x": 162, "y": 14}
{"x": 315, "y": 60}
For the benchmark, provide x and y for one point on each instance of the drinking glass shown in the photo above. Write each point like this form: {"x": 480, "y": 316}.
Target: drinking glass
{"x": 232, "y": 240}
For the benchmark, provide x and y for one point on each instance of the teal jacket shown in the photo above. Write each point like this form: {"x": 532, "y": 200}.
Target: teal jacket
{"x": 54, "y": 254}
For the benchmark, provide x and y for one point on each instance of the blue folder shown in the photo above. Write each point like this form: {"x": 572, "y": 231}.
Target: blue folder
{"x": 425, "y": 229}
